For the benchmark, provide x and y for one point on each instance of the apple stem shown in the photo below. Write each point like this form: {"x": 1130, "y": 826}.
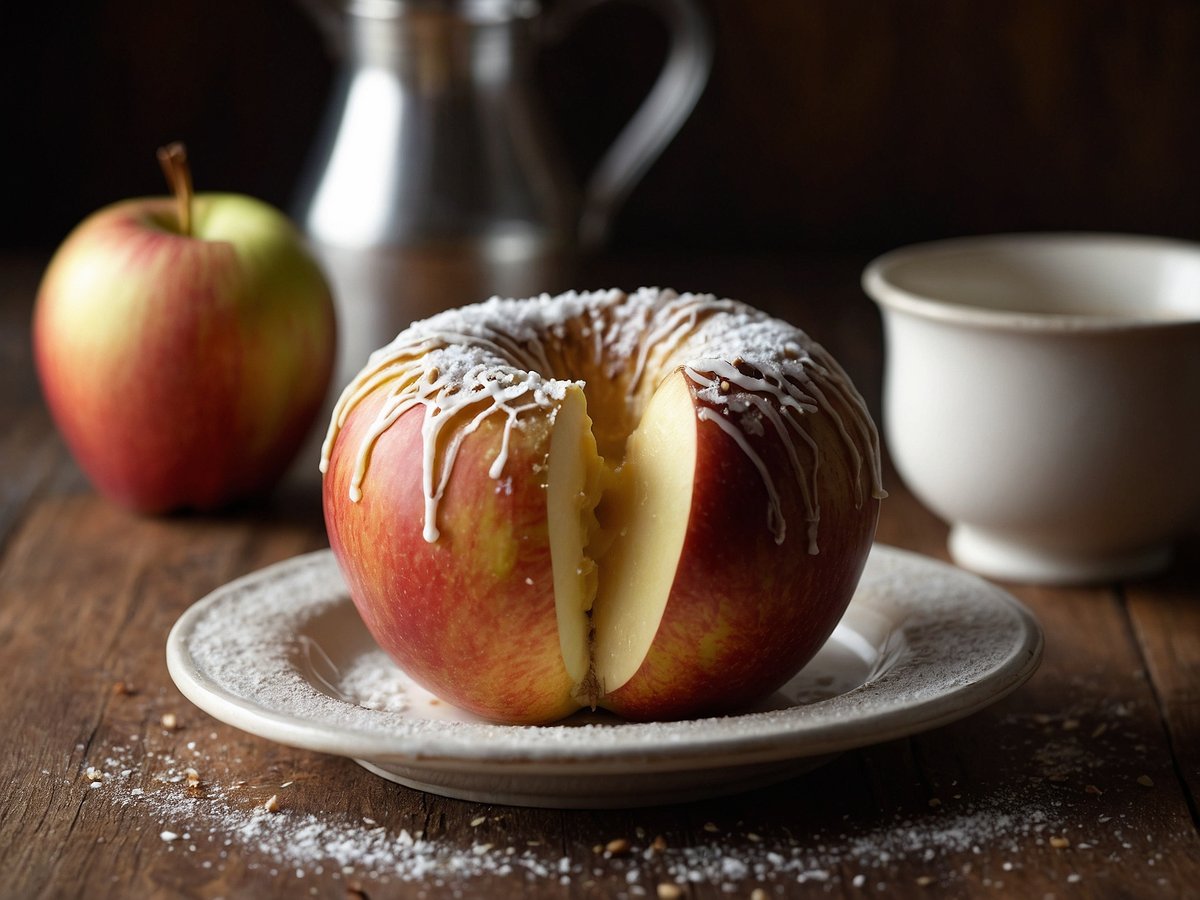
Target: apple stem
{"x": 173, "y": 159}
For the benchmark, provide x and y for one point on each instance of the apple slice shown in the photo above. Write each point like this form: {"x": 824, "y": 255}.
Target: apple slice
{"x": 648, "y": 513}
{"x": 610, "y": 600}
{"x": 575, "y": 475}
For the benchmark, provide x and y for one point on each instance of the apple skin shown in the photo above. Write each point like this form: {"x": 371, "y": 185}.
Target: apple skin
{"x": 745, "y": 613}
{"x": 471, "y": 616}
{"x": 184, "y": 372}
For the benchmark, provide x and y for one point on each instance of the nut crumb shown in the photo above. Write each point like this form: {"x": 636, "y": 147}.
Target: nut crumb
{"x": 272, "y": 804}
{"x": 91, "y": 773}
{"x": 354, "y": 891}
{"x": 123, "y": 689}
{"x": 170, "y": 721}
{"x": 925, "y": 880}
{"x": 1145, "y": 781}
{"x": 1059, "y": 843}
{"x": 935, "y": 802}
{"x": 1092, "y": 789}
{"x": 617, "y": 847}
{"x": 477, "y": 821}
{"x": 1070, "y": 724}
{"x": 1099, "y": 730}
{"x": 758, "y": 894}
{"x": 659, "y": 844}
{"x": 193, "y": 788}
{"x": 711, "y": 827}
{"x": 668, "y": 891}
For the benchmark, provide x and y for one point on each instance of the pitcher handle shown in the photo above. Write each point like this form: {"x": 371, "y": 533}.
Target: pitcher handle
{"x": 661, "y": 115}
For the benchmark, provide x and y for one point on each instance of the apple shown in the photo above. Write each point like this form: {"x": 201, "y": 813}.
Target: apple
{"x": 184, "y": 346}
{"x": 647, "y": 581}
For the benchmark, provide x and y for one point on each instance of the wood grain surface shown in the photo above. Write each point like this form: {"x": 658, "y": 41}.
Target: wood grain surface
{"x": 1083, "y": 783}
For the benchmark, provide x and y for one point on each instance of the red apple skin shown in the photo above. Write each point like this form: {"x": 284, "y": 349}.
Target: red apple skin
{"x": 745, "y": 614}
{"x": 471, "y": 616}
{"x": 183, "y": 372}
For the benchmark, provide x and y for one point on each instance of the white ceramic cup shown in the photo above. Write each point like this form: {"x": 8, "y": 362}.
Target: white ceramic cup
{"x": 1042, "y": 394}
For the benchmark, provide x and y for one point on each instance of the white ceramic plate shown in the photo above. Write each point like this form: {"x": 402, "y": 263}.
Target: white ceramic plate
{"x": 282, "y": 654}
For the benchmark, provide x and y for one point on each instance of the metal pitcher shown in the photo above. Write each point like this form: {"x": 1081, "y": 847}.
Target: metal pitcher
{"x": 436, "y": 180}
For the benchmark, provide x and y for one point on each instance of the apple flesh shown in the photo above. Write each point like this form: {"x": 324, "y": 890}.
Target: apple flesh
{"x": 184, "y": 370}
{"x": 649, "y": 585}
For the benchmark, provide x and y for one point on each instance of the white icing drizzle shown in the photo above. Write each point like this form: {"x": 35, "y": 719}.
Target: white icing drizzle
{"x": 498, "y": 358}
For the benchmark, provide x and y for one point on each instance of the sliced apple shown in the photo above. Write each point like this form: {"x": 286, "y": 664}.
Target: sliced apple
{"x": 647, "y": 581}
{"x": 673, "y": 596}
{"x": 574, "y": 483}
{"x": 648, "y": 517}
{"x": 612, "y": 582}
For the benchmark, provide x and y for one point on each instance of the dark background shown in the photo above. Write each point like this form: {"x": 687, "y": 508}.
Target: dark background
{"x": 827, "y": 125}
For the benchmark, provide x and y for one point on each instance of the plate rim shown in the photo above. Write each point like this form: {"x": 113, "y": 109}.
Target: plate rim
{"x": 438, "y": 747}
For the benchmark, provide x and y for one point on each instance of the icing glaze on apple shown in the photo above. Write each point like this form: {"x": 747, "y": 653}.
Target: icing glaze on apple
{"x": 746, "y": 371}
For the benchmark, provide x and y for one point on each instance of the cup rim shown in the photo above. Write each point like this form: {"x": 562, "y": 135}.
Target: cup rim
{"x": 888, "y": 295}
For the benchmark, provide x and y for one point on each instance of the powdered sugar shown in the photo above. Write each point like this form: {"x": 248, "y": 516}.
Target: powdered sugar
{"x": 981, "y": 833}
{"x": 371, "y": 681}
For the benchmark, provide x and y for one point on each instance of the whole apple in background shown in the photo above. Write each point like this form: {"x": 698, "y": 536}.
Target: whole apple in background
{"x": 184, "y": 346}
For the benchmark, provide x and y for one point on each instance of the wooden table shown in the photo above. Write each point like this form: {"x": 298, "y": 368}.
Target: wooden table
{"x": 1083, "y": 783}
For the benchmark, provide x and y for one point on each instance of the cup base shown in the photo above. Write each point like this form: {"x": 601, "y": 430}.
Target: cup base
{"x": 997, "y": 557}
